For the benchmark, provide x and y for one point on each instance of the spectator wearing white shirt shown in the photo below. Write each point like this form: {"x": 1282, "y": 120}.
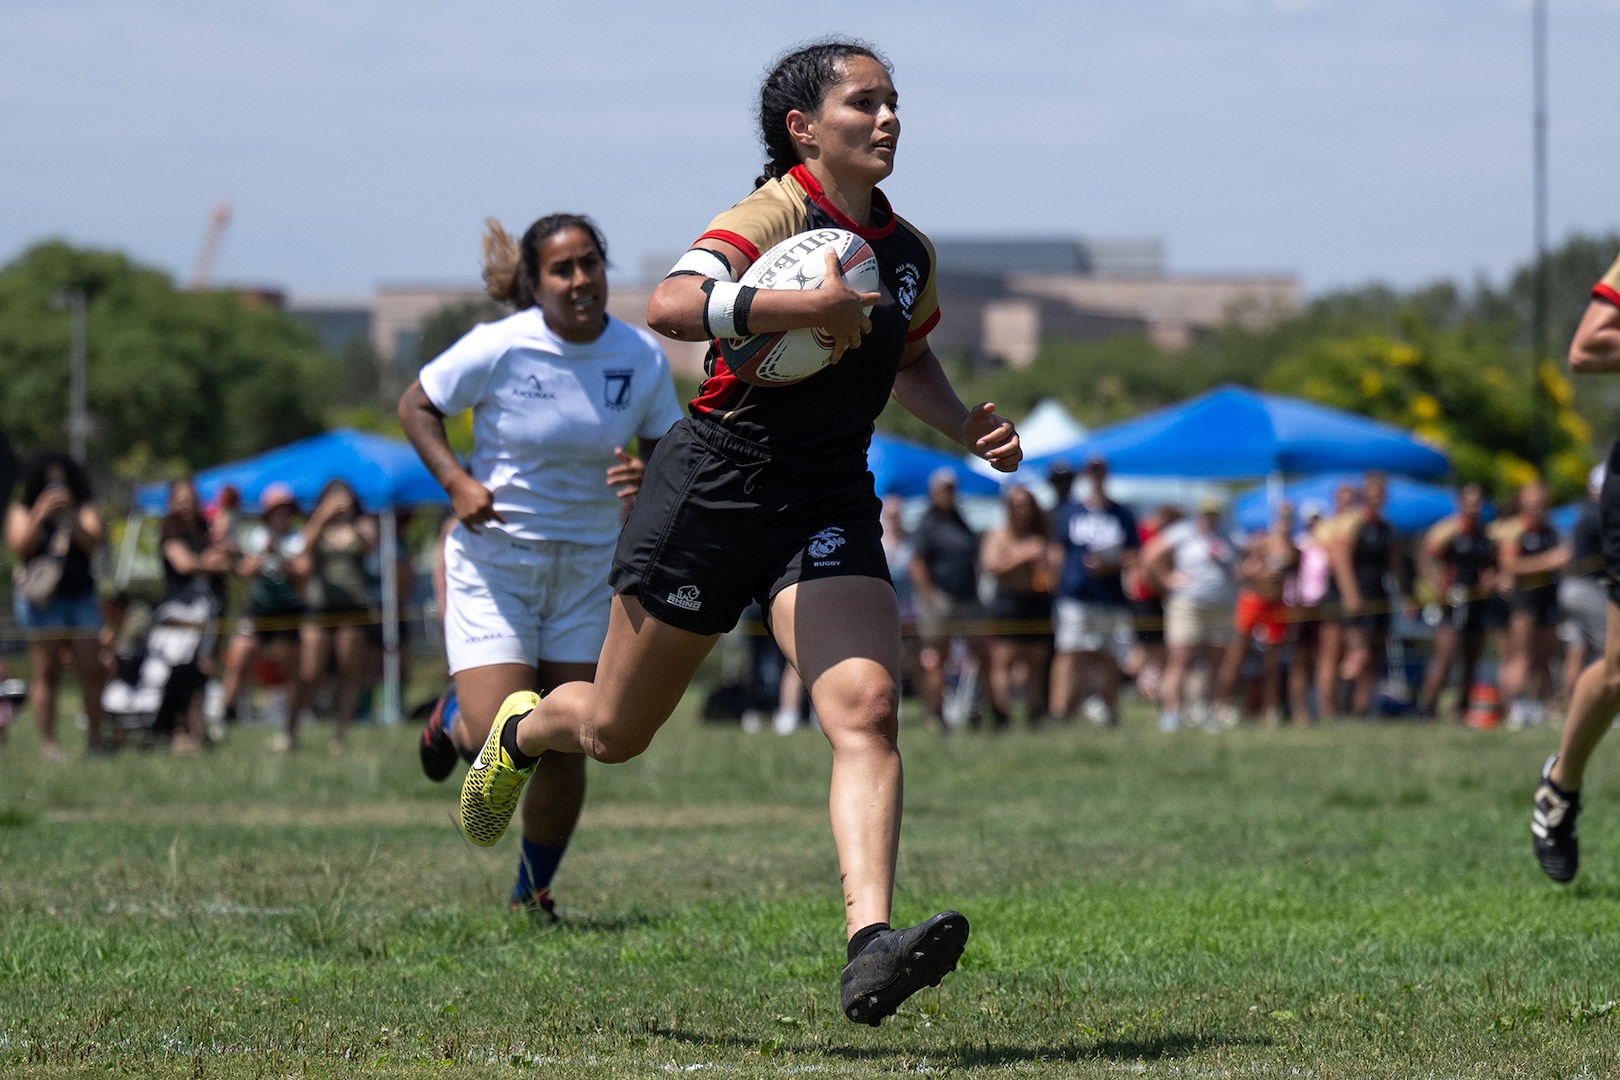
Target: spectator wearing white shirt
{"x": 1196, "y": 562}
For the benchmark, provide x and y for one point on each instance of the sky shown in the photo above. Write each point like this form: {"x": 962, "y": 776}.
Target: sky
{"x": 364, "y": 142}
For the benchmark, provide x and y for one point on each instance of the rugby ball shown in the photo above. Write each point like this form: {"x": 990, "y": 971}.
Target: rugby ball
{"x": 799, "y": 262}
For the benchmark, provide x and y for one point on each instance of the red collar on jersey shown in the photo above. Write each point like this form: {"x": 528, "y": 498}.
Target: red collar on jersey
{"x": 880, "y": 201}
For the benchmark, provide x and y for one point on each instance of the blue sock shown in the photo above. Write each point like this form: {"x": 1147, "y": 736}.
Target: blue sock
{"x": 537, "y": 865}
{"x": 450, "y": 713}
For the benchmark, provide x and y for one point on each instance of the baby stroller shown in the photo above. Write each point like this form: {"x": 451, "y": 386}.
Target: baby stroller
{"x": 155, "y": 684}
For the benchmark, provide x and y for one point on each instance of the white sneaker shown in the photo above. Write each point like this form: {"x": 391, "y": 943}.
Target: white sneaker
{"x": 1225, "y": 716}
{"x": 1169, "y": 720}
{"x": 1518, "y": 715}
{"x": 1095, "y": 709}
{"x": 785, "y": 722}
{"x": 753, "y": 721}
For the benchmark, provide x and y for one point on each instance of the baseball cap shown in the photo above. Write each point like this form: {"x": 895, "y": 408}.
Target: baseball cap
{"x": 276, "y": 494}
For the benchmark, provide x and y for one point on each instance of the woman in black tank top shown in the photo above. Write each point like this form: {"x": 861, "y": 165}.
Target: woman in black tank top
{"x": 1368, "y": 562}
{"x": 1531, "y": 557}
{"x": 55, "y": 518}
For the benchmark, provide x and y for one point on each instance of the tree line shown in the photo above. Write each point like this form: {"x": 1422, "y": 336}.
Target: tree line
{"x": 184, "y": 380}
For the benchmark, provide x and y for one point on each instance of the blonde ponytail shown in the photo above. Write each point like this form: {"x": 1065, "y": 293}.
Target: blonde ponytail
{"x": 503, "y": 266}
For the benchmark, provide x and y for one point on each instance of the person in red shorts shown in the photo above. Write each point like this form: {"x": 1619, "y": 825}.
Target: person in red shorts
{"x": 1262, "y": 615}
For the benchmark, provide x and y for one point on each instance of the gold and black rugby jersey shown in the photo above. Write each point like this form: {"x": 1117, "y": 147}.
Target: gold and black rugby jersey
{"x": 1608, "y": 288}
{"x": 829, "y": 415}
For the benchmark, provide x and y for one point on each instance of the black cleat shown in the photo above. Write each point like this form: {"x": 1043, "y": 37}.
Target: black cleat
{"x": 438, "y": 751}
{"x": 897, "y": 963}
{"x": 1552, "y": 827}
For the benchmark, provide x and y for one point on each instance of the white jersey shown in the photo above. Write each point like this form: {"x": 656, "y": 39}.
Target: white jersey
{"x": 547, "y": 414}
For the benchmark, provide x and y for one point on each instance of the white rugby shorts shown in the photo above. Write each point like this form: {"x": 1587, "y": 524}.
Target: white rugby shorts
{"x": 522, "y": 601}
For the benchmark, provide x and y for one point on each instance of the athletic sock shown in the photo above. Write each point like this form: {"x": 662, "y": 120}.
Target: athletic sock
{"x": 449, "y": 713}
{"x": 863, "y": 937}
{"x": 537, "y": 865}
{"x": 509, "y": 744}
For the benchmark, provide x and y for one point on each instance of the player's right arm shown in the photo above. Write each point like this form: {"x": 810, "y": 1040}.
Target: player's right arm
{"x": 472, "y": 503}
{"x": 679, "y": 305}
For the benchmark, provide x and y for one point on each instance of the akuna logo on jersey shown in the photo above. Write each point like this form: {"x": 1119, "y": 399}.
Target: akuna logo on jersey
{"x": 824, "y": 543}
{"x": 685, "y": 597}
{"x": 533, "y": 390}
{"x": 616, "y": 389}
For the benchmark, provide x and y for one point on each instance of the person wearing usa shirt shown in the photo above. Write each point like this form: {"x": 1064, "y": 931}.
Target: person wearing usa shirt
{"x": 1094, "y": 540}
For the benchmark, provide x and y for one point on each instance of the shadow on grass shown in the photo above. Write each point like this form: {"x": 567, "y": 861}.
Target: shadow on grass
{"x": 578, "y": 922}
{"x": 1170, "y": 1045}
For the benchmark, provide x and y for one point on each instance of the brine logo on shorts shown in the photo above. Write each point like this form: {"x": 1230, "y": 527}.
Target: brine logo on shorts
{"x": 685, "y": 597}
{"x": 824, "y": 543}
{"x": 910, "y": 286}
{"x": 616, "y": 389}
{"x": 533, "y": 390}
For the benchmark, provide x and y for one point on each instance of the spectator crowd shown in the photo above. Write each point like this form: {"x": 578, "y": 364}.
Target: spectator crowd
{"x": 275, "y": 601}
{"x": 1329, "y": 612}
{"x": 1053, "y": 614}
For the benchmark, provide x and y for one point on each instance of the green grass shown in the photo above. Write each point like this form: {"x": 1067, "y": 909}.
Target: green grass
{"x": 1354, "y": 900}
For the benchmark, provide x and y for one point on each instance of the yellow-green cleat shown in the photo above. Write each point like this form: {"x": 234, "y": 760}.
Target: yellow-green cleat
{"x": 493, "y": 784}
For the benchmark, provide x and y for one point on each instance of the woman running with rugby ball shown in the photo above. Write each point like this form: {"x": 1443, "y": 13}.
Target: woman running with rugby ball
{"x": 557, "y": 391}
{"x": 764, "y": 493}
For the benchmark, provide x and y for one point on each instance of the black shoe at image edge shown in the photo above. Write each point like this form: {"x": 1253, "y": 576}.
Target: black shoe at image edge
{"x": 1552, "y": 828}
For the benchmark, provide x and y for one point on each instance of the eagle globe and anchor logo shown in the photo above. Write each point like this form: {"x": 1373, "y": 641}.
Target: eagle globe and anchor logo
{"x": 824, "y": 543}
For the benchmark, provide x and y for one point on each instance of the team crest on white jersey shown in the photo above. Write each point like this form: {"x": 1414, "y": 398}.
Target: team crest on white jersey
{"x": 825, "y": 542}
{"x": 616, "y": 389}
{"x": 910, "y": 286}
{"x": 685, "y": 597}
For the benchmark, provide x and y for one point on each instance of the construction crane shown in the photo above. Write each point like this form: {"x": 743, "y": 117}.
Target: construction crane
{"x": 202, "y": 276}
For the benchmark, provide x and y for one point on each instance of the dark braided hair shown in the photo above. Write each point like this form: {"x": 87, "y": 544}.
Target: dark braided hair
{"x": 512, "y": 269}
{"x": 800, "y": 80}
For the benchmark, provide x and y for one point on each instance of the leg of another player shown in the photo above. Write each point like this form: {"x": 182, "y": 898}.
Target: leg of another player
{"x": 1061, "y": 684}
{"x": 1515, "y": 657}
{"x": 1591, "y": 711}
{"x": 843, "y": 636}
{"x": 1328, "y": 645}
{"x": 552, "y": 801}
{"x": 645, "y": 667}
{"x": 1434, "y": 679}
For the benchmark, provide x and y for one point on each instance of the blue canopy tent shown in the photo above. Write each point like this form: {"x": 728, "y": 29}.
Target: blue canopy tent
{"x": 1411, "y": 506}
{"x": 903, "y": 468}
{"x": 385, "y": 473}
{"x": 1236, "y": 433}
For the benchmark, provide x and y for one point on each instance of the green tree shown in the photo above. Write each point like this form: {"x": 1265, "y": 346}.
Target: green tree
{"x": 1452, "y": 362}
{"x": 175, "y": 378}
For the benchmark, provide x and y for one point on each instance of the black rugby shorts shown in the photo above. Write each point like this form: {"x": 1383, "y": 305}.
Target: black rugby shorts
{"x": 719, "y": 523}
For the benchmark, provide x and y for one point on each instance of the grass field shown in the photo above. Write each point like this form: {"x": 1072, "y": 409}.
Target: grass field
{"x": 1352, "y": 900}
